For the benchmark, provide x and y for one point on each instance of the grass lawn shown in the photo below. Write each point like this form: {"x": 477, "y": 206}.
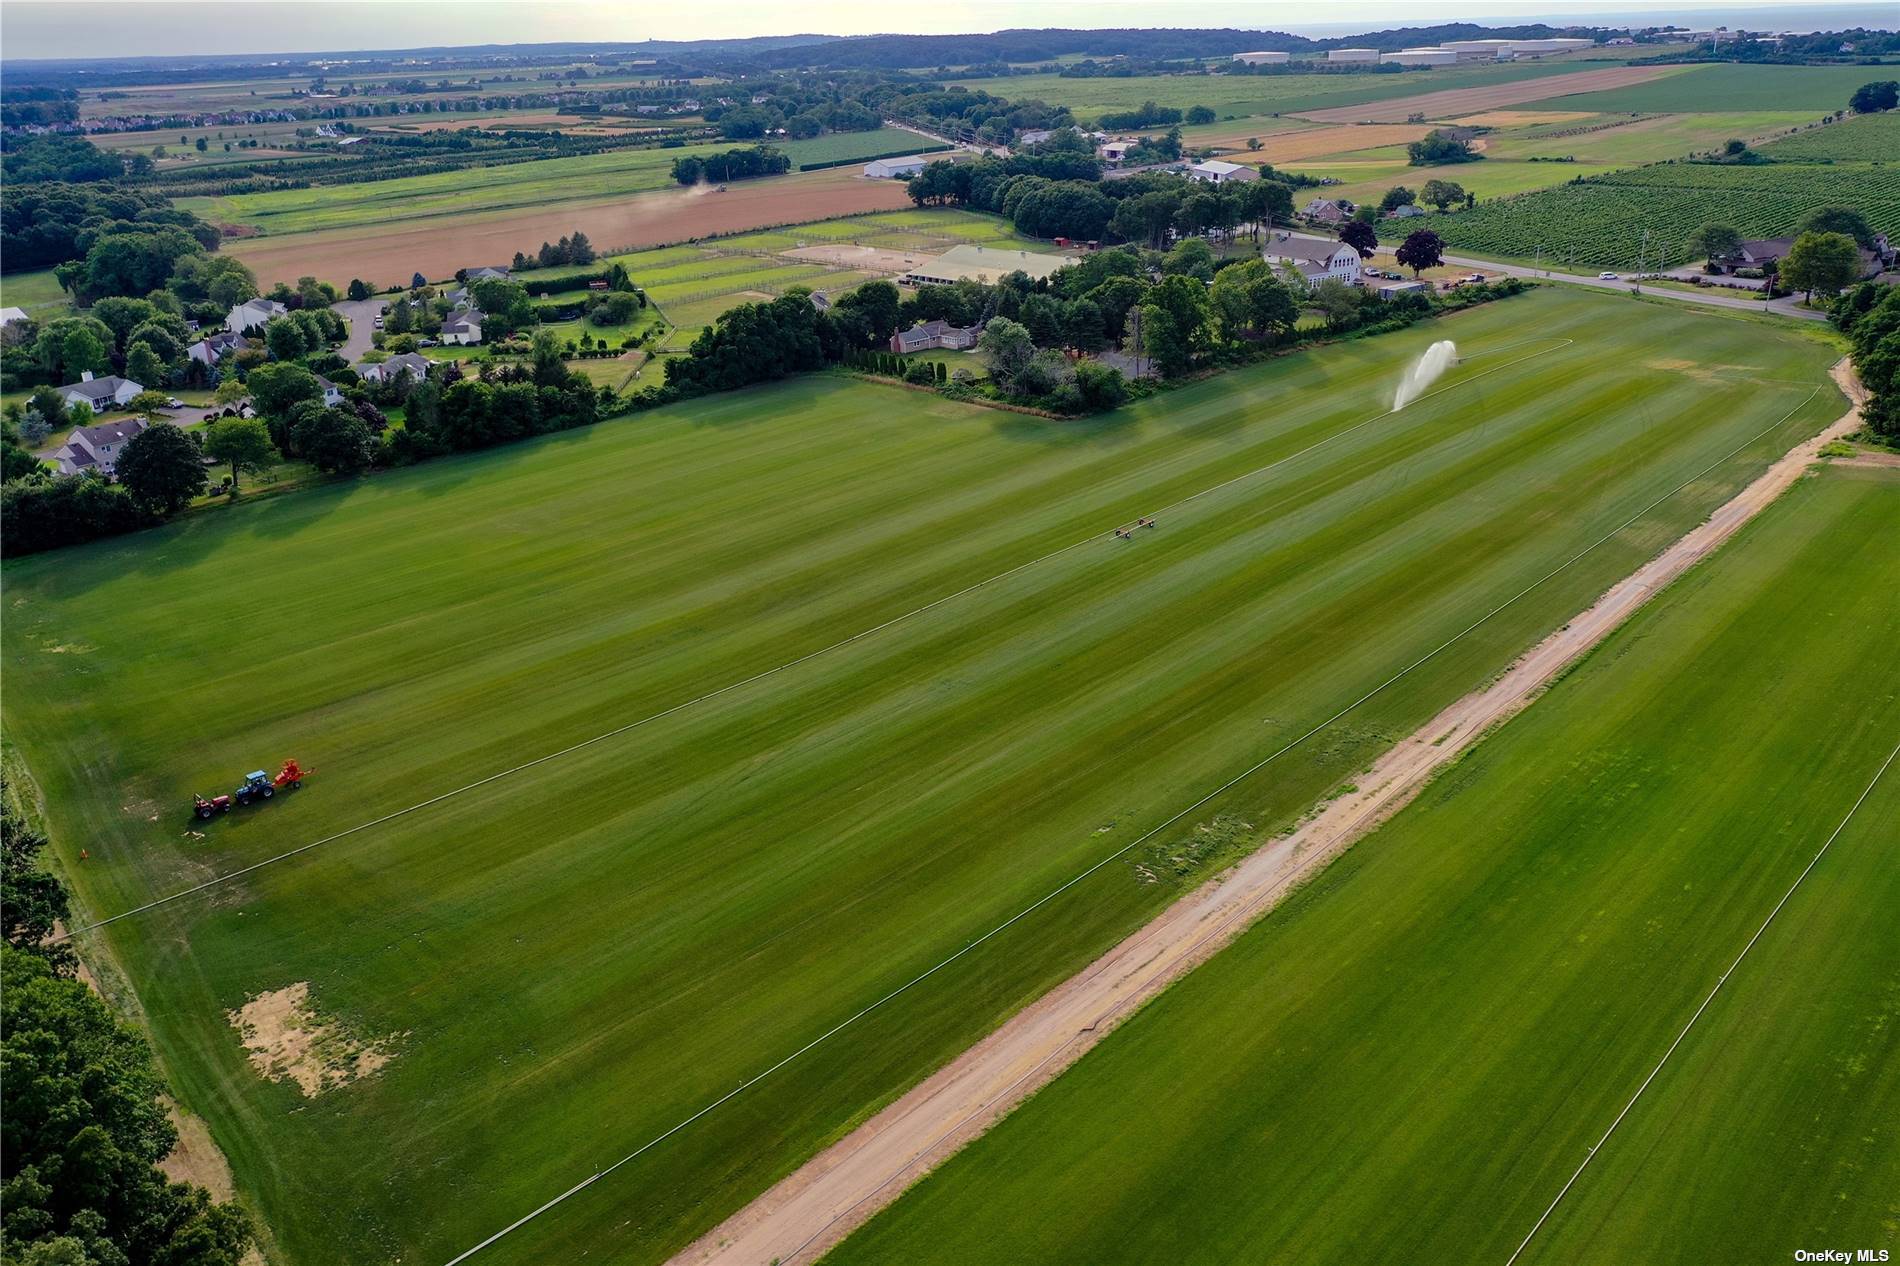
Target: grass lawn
{"x": 511, "y": 185}
{"x": 1642, "y": 140}
{"x": 1408, "y": 1060}
{"x": 566, "y": 962}
{"x": 1722, "y": 87}
{"x": 38, "y": 292}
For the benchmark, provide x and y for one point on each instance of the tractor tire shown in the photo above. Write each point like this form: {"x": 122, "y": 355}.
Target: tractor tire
{"x": 297, "y": 785}
{"x": 267, "y": 792}
{"x": 204, "y": 814}
{"x": 242, "y": 797}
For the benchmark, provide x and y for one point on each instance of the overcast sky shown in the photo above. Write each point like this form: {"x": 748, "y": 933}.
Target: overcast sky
{"x": 119, "y": 28}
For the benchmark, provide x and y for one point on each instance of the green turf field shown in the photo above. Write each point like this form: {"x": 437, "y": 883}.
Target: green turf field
{"x": 507, "y": 186}
{"x": 1720, "y": 87}
{"x": 1407, "y": 1061}
{"x": 566, "y": 962}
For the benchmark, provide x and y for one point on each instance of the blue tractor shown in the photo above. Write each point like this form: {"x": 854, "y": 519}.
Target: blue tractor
{"x": 257, "y": 786}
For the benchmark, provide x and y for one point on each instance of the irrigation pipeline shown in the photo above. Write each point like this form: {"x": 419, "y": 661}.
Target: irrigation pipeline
{"x": 1218, "y": 791}
{"x": 1720, "y": 981}
{"x": 755, "y": 678}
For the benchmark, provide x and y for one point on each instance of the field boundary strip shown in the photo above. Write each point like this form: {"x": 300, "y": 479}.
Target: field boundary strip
{"x": 1093, "y": 867}
{"x": 789, "y": 664}
{"x": 1720, "y": 981}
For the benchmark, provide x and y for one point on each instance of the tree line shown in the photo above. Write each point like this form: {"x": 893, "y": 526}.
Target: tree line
{"x": 1869, "y": 314}
{"x": 86, "y": 1123}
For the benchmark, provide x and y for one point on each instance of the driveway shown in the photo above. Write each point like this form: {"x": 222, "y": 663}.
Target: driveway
{"x": 1780, "y": 307}
{"x": 361, "y": 314}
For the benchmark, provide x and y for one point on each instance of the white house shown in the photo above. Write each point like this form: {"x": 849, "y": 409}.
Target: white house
{"x": 96, "y": 447}
{"x": 1315, "y": 259}
{"x": 1216, "y": 172}
{"x": 100, "y": 394}
{"x": 887, "y": 168}
{"x": 252, "y": 314}
{"x": 411, "y": 364}
{"x": 463, "y": 326}
{"x": 9, "y": 315}
{"x": 332, "y": 395}
{"x": 213, "y": 348}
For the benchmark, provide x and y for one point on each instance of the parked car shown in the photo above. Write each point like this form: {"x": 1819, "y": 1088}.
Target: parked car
{"x": 1606, "y": 276}
{"x": 174, "y": 403}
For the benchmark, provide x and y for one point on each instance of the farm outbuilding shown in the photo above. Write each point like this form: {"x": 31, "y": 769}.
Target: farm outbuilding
{"x": 888, "y": 168}
{"x": 1262, "y": 59}
{"x": 1420, "y": 57}
{"x": 1356, "y": 55}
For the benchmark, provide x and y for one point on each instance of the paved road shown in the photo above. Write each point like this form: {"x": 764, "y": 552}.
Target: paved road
{"x": 1780, "y": 307}
{"x": 361, "y": 314}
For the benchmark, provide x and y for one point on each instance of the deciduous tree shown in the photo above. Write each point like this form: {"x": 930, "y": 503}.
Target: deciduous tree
{"x": 161, "y": 468}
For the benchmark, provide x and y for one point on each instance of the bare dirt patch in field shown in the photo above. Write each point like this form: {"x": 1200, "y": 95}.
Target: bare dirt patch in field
{"x": 870, "y": 259}
{"x": 1316, "y": 142}
{"x": 437, "y": 247}
{"x": 287, "y": 1040}
{"x": 195, "y": 1158}
{"x": 1522, "y": 118}
{"x": 1457, "y": 102}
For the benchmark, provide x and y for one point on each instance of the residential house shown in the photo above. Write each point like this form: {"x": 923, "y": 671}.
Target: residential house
{"x": 1328, "y": 210}
{"x": 463, "y": 326}
{"x": 1216, "y": 172}
{"x": 1114, "y": 152}
{"x": 332, "y": 394}
{"x": 9, "y": 315}
{"x": 933, "y": 335}
{"x": 1767, "y": 253}
{"x": 821, "y": 302}
{"x": 410, "y": 364}
{"x": 1315, "y": 259}
{"x": 1034, "y": 136}
{"x": 1405, "y": 212}
{"x": 208, "y": 351}
{"x": 485, "y": 274}
{"x": 96, "y": 447}
{"x": 99, "y": 394}
{"x": 252, "y": 315}
{"x": 891, "y": 168}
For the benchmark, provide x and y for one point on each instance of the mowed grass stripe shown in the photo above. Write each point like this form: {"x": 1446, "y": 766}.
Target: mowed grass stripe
{"x": 1414, "y": 1053}
{"x": 580, "y": 962}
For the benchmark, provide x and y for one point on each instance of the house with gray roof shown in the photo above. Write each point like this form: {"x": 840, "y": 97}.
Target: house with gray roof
{"x": 1315, "y": 259}
{"x": 411, "y": 364}
{"x": 97, "y": 447}
{"x": 463, "y": 326}
{"x": 253, "y": 314}
{"x": 211, "y": 349}
{"x": 99, "y": 394}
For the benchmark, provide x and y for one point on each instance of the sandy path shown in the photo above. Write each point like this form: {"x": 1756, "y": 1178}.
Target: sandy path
{"x": 437, "y": 246}
{"x": 836, "y": 1191}
{"x": 1455, "y": 102}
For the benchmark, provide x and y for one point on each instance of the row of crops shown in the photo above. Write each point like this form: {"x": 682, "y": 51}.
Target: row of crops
{"x": 1865, "y": 138}
{"x": 1645, "y": 215}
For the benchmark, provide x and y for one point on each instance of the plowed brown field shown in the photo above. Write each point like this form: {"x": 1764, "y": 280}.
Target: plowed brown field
{"x": 437, "y": 247}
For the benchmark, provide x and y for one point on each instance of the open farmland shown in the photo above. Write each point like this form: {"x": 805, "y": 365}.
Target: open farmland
{"x": 611, "y": 174}
{"x": 1245, "y": 95}
{"x": 437, "y": 245}
{"x": 1600, "y": 222}
{"x": 693, "y": 284}
{"x": 1415, "y": 1053}
{"x": 1861, "y": 138}
{"x": 1720, "y": 87}
{"x": 677, "y": 907}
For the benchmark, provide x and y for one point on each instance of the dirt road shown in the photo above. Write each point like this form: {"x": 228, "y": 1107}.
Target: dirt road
{"x": 839, "y": 1189}
{"x": 438, "y": 245}
{"x": 1454, "y": 103}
